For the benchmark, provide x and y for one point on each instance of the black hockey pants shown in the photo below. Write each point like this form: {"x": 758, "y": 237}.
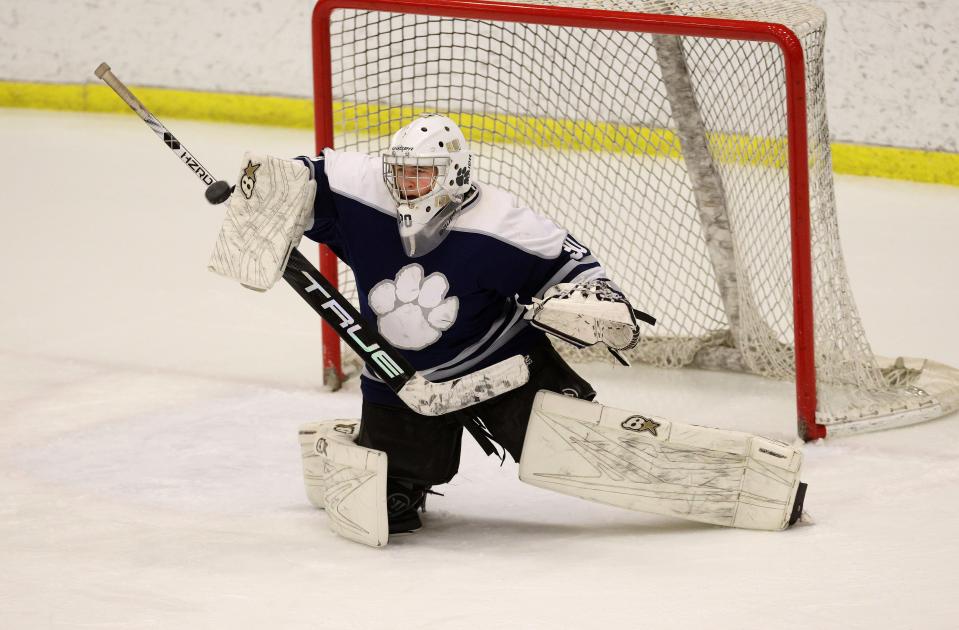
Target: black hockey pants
{"x": 425, "y": 450}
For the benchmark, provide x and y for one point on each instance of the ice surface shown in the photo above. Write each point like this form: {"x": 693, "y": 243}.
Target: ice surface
{"x": 150, "y": 474}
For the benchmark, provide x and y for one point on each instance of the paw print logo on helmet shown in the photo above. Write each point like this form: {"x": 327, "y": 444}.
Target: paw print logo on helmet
{"x": 463, "y": 174}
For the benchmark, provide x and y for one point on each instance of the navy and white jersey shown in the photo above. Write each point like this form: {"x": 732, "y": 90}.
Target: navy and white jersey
{"x": 458, "y": 308}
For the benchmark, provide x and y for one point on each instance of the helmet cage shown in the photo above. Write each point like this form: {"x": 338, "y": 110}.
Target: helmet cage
{"x": 425, "y": 207}
{"x": 393, "y": 167}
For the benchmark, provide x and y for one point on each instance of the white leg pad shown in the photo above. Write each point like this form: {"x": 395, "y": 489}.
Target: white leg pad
{"x": 648, "y": 464}
{"x": 346, "y": 480}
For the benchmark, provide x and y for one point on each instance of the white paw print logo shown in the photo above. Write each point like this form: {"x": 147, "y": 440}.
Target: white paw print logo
{"x": 412, "y": 312}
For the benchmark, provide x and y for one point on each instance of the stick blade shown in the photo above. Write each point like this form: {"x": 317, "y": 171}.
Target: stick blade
{"x": 435, "y": 399}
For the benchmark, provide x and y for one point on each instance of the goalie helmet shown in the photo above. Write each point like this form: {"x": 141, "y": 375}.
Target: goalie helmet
{"x": 427, "y": 171}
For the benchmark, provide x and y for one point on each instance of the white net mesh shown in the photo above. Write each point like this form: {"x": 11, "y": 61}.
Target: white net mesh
{"x": 598, "y": 129}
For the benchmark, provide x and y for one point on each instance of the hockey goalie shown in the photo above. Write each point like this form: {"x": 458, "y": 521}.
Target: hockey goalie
{"x": 460, "y": 275}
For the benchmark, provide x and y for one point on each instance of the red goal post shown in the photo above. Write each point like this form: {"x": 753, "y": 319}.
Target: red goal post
{"x": 618, "y": 16}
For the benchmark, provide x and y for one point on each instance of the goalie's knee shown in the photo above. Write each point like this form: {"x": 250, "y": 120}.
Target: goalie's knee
{"x": 346, "y": 480}
{"x": 312, "y": 452}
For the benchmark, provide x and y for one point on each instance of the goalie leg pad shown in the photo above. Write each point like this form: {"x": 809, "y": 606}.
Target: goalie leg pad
{"x": 270, "y": 208}
{"x": 653, "y": 465}
{"x": 346, "y": 480}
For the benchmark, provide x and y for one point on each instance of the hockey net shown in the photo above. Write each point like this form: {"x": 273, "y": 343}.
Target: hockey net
{"x": 666, "y": 136}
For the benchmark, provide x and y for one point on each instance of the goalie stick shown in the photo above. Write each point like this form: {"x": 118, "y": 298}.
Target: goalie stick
{"x": 416, "y": 391}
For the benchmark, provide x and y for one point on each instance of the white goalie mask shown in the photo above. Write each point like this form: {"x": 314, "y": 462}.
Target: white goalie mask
{"x": 427, "y": 171}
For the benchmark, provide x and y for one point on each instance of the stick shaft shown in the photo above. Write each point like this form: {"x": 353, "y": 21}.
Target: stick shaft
{"x": 419, "y": 393}
{"x": 382, "y": 358}
{"x": 385, "y": 361}
{"x": 103, "y": 72}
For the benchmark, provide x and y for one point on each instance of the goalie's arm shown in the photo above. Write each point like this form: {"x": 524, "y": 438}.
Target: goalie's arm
{"x": 265, "y": 220}
{"x": 562, "y": 282}
{"x": 587, "y": 313}
{"x": 421, "y": 395}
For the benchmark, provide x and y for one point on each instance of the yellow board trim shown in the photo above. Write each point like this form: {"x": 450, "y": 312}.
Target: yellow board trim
{"x": 935, "y": 167}
{"x": 850, "y": 159}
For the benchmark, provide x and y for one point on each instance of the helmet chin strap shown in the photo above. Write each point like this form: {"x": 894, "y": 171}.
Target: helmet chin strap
{"x": 470, "y": 195}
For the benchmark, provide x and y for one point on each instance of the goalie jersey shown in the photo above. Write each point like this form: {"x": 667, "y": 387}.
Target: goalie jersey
{"x": 458, "y": 308}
